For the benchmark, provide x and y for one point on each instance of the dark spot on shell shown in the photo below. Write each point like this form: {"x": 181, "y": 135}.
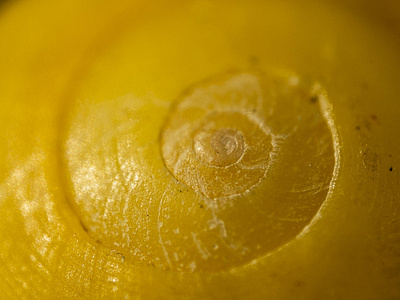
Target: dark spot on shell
{"x": 299, "y": 283}
{"x": 254, "y": 60}
{"x": 314, "y": 99}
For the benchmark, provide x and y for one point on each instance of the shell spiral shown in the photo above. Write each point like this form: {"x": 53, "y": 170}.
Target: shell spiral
{"x": 197, "y": 149}
{"x": 234, "y": 168}
{"x": 214, "y": 141}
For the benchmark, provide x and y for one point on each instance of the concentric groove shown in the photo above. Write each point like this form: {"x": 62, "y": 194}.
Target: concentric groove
{"x": 234, "y": 168}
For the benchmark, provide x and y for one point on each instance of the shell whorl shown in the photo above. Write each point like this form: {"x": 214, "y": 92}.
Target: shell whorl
{"x": 234, "y": 168}
{"x": 214, "y": 142}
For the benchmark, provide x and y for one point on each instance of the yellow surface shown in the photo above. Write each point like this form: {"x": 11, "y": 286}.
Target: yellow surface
{"x": 91, "y": 95}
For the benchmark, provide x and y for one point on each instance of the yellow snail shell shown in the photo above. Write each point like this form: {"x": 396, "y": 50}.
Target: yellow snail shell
{"x": 214, "y": 141}
{"x": 248, "y": 146}
{"x": 93, "y": 206}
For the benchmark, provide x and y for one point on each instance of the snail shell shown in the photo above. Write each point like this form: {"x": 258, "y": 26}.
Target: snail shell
{"x": 118, "y": 105}
{"x": 214, "y": 142}
{"x": 236, "y": 167}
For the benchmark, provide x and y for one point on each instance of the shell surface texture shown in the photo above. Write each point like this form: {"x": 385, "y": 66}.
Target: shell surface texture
{"x": 199, "y": 149}
{"x": 241, "y": 146}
